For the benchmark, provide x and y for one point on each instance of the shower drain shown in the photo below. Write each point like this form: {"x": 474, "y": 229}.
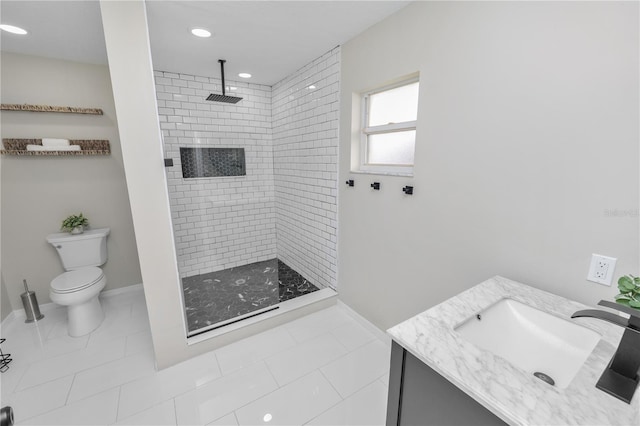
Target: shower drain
{"x": 544, "y": 378}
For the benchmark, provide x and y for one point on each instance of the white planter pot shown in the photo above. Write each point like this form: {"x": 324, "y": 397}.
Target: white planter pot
{"x": 77, "y": 230}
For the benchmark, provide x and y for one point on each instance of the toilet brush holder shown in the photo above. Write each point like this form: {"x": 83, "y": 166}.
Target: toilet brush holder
{"x": 6, "y": 416}
{"x": 30, "y": 303}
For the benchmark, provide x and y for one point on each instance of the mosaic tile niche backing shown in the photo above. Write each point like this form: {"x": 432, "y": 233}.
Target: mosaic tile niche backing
{"x": 212, "y": 162}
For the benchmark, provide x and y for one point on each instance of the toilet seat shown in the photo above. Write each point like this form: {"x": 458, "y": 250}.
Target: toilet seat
{"x": 72, "y": 281}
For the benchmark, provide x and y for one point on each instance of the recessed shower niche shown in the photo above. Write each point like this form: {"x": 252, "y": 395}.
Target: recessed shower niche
{"x": 212, "y": 162}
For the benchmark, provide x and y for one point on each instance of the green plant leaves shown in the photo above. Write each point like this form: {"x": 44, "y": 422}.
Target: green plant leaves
{"x": 626, "y": 279}
{"x": 74, "y": 221}
{"x": 629, "y": 287}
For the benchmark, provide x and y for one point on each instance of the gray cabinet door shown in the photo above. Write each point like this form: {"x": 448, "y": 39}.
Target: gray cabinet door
{"x": 419, "y": 396}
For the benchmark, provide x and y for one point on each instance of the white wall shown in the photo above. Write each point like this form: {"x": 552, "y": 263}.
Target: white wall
{"x": 220, "y": 222}
{"x": 127, "y": 42}
{"x": 527, "y": 146}
{"x": 5, "y": 304}
{"x": 305, "y": 155}
{"x": 39, "y": 192}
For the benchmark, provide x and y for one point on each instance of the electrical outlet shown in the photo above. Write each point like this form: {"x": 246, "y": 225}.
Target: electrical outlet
{"x": 601, "y": 269}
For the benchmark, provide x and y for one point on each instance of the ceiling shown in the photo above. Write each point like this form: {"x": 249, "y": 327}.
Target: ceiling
{"x": 269, "y": 39}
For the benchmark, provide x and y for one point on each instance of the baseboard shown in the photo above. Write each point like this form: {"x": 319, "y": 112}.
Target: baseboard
{"x": 20, "y": 313}
{"x": 380, "y": 334}
{"x": 122, "y": 290}
{"x": 7, "y": 320}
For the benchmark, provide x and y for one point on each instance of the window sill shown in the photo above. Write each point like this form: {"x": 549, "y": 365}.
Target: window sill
{"x": 382, "y": 173}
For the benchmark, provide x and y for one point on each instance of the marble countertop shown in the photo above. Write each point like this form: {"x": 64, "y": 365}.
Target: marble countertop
{"x": 515, "y": 396}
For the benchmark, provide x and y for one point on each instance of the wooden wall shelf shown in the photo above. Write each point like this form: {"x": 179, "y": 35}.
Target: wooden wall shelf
{"x": 49, "y": 108}
{"x": 87, "y": 147}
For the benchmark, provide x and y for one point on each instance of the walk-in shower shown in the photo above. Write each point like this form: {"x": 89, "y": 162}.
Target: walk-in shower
{"x": 224, "y": 217}
{"x": 252, "y": 189}
{"x": 224, "y": 214}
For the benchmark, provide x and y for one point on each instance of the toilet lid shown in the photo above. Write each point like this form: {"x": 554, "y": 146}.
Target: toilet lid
{"x": 76, "y": 280}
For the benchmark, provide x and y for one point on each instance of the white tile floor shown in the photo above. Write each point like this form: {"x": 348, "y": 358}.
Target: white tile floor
{"x": 323, "y": 369}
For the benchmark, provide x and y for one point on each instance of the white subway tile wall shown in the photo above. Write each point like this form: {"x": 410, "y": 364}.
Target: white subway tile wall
{"x": 218, "y": 222}
{"x": 290, "y": 136}
{"x": 305, "y": 153}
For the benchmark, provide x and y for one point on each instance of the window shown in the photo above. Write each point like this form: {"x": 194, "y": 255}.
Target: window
{"x": 389, "y": 128}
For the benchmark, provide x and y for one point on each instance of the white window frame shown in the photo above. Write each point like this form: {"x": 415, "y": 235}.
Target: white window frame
{"x": 365, "y": 131}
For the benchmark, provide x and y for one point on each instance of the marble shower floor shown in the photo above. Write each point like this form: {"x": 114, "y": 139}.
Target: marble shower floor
{"x": 220, "y": 296}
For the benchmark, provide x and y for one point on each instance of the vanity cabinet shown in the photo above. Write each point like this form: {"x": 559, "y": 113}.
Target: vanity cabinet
{"x": 418, "y": 395}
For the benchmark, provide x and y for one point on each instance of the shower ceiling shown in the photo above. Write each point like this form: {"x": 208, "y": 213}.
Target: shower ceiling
{"x": 269, "y": 39}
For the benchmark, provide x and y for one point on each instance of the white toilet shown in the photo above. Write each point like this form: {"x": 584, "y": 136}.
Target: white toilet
{"x": 79, "y": 287}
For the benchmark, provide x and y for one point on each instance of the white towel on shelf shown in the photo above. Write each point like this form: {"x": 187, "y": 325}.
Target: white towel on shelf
{"x": 53, "y": 148}
{"x": 55, "y": 142}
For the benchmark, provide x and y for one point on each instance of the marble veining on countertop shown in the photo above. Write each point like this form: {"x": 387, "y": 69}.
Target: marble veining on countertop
{"x": 512, "y": 394}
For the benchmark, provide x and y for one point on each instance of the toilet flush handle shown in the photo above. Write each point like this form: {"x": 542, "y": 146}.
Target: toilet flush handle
{"x": 58, "y": 246}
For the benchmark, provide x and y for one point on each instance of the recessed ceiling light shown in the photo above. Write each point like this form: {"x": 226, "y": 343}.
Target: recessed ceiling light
{"x": 12, "y": 29}
{"x": 244, "y": 75}
{"x": 312, "y": 87}
{"x": 200, "y": 32}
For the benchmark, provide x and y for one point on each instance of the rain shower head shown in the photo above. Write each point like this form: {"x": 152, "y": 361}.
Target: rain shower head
{"x": 223, "y": 98}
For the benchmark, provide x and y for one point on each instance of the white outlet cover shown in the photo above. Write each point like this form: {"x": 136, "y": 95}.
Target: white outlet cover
{"x": 601, "y": 269}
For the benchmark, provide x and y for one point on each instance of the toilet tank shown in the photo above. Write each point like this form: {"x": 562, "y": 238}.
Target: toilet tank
{"x": 81, "y": 250}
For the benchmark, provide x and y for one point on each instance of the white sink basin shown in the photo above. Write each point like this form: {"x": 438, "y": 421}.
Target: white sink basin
{"x": 531, "y": 340}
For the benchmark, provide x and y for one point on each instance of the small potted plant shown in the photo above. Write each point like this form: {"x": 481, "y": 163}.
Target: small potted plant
{"x": 75, "y": 224}
{"x": 629, "y": 287}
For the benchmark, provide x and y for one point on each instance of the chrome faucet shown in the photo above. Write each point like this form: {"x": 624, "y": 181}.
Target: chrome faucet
{"x": 621, "y": 377}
